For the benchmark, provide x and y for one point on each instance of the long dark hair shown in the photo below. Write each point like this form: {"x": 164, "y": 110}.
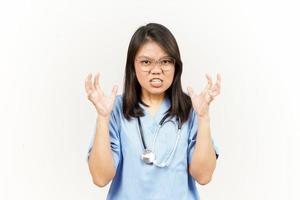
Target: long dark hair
{"x": 180, "y": 102}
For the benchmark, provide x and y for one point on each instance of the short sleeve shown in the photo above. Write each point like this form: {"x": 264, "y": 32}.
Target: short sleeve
{"x": 192, "y": 129}
{"x": 114, "y": 133}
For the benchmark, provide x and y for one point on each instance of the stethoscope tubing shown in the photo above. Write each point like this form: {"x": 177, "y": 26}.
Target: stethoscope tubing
{"x": 161, "y": 123}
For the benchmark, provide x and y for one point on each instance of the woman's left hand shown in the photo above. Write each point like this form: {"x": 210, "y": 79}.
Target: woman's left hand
{"x": 202, "y": 101}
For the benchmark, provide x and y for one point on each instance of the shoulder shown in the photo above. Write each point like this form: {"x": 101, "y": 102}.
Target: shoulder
{"x": 192, "y": 120}
{"x": 117, "y": 107}
{"x": 118, "y": 100}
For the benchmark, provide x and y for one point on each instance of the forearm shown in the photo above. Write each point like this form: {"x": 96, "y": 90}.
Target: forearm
{"x": 203, "y": 161}
{"x": 101, "y": 163}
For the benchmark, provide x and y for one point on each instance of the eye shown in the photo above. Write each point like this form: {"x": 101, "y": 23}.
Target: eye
{"x": 145, "y": 62}
{"x": 167, "y": 61}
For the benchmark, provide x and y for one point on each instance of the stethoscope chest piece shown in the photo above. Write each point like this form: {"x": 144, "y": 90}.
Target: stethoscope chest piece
{"x": 148, "y": 156}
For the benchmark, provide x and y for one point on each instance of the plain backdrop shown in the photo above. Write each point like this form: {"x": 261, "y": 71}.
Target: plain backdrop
{"x": 47, "y": 48}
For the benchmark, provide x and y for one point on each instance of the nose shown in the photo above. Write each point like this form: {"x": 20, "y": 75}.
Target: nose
{"x": 156, "y": 69}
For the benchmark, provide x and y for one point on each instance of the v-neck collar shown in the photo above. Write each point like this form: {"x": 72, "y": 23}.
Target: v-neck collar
{"x": 164, "y": 106}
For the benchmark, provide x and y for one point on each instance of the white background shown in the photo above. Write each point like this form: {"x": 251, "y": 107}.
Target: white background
{"x": 48, "y": 47}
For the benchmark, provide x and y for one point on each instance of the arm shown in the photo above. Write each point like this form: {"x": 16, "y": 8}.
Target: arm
{"x": 101, "y": 163}
{"x": 203, "y": 161}
{"x": 100, "y": 159}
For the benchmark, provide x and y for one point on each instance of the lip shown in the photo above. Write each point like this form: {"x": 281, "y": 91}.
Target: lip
{"x": 156, "y": 78}
{"x": 156, "y": 84}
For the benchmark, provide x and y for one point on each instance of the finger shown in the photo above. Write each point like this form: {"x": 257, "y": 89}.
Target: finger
{"x": 213, "y": 93}
{"x": 216, "y": 86}
{"x": 219, "y": 80}
{"x": 88, "y": 88}
{"x": 114, "y": 91}
{"x": 90, "y": 82}
{"x": 209, "y": 82}
{"x": 96, "y": 80}
{"x": 218, "y": 77}
{"x": 190, "y": 91}
{"x": 96, "y": 83}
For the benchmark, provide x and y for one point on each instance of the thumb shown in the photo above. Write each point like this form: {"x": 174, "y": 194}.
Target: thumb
{"x": 114, "y": 91}
{"x": 190, "y": 91}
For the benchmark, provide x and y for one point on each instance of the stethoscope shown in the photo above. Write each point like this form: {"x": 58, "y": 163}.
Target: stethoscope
{"x": 148, "y": 155}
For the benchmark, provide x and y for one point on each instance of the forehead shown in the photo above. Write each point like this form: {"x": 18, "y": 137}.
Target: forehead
{"x": 151, "y": 49}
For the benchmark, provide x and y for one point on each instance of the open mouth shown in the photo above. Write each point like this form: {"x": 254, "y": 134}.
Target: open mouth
{"x": 156, "y": 82}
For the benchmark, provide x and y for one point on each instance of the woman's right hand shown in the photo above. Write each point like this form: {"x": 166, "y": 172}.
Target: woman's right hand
{"x": 95, "y": 94}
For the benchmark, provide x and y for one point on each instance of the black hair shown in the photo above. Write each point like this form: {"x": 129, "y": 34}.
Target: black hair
{"x": 180, "y": 102}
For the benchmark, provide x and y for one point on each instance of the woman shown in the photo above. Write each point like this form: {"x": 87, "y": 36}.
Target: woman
{"x": 128, "y": 147}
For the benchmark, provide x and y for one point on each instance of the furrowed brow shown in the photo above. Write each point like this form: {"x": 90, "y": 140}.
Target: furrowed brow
{"x": 147, "y": 57}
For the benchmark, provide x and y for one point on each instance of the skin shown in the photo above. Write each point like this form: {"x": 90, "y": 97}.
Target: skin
{"x": 151, "y": 95}
{"x": 203, "y": 161}
{"x": 101, "y": 164}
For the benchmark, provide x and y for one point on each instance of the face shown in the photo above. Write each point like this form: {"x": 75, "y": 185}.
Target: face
{"x": 154, "y": 69}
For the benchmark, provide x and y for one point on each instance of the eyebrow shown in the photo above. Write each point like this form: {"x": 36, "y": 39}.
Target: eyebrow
{"x": 166, "y": 56}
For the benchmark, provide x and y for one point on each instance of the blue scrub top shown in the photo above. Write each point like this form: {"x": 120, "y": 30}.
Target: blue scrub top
{"x": 136, "y": 180}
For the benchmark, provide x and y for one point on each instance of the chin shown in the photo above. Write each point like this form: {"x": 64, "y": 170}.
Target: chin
{"x": 157, "y": 90}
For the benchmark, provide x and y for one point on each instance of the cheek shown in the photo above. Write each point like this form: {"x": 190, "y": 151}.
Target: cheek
{"x": 141, "y": 78}
{"x": 169, "y": 79}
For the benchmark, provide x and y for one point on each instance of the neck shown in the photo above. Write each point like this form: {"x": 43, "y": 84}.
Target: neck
{"x": 152, "y": 99}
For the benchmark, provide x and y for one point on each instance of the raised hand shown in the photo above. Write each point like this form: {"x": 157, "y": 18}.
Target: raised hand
{"x": 95, "y": 94}
{"x": 202, "y": 101}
